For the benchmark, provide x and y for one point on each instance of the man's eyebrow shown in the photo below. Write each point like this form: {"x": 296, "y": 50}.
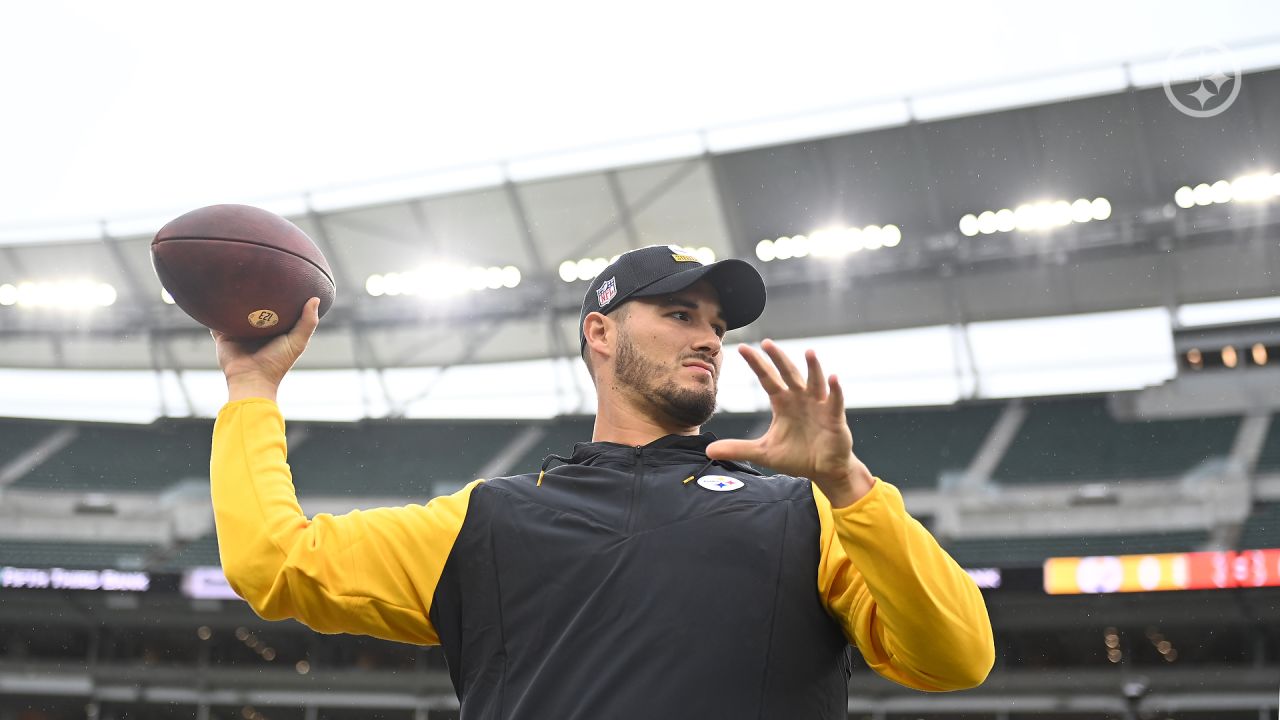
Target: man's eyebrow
{"x": 674, "y": 301}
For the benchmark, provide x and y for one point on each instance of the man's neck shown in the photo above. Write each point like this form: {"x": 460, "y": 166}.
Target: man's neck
{"x": 626, "y": 423}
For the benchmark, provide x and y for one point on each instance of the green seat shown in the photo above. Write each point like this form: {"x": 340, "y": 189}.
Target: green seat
{"x": 201, "y": 551}
{"x": 1269, "y": 458}
{"x": 19, "y": 436}
{"x": 73, "y": 555}
{"x": 410, "y": 459}
{"x": 559, "y": 439}
{"x": 912, "y": 448}
{"x": 1032, "y": 551}
{"x": 737, "y": 426}
{"x": 142, "y": 458}
{"x": 1077, "y": 440}
{"x": 1262, "y": 528}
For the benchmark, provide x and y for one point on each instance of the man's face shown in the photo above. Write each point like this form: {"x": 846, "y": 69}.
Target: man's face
{"x": 669, "y": 353}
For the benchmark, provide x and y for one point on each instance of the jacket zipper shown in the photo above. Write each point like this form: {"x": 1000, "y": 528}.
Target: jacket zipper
{"x": 635, "y": 487}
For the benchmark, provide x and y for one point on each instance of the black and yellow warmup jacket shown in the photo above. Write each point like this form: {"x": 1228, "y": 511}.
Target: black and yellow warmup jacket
{"x": 613, "y": 588}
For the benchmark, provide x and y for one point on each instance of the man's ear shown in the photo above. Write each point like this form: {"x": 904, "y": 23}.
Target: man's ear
{"x": 598, "y": 329}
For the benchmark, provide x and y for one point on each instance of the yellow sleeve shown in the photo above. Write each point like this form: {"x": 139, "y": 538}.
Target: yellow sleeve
{"x": 367, "y": 572}
{"x": 914, "y": 614}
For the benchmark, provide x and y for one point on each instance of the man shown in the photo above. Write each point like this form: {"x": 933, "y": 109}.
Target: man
{"x": 652, "y": 574}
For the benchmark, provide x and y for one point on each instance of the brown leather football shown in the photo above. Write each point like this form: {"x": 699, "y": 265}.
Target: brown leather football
{"x": 241, "y": 270}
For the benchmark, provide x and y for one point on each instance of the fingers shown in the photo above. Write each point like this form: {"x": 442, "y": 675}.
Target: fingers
{"x": 836, "y": 398}
{"x": 816, "y": 384}
{"x": 787, "y": 376}
{"x": 744, "y": 450}
{"x": 790, "y": 374}
{"x": 768, "y": 378}
{"x": 300, "y": 334}
{"x": 784, "y": 375}
{"x": 307, "y": 322}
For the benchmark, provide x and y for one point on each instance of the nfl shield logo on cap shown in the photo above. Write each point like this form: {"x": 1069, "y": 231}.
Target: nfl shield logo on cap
{"x": 607, "y": 291}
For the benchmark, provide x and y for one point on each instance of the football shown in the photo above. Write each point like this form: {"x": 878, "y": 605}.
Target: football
{"x": 241, "y": 270}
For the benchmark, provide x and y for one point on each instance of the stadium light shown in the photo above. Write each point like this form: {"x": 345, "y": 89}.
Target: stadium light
{"x": 1111, "y": 639}
{"x": 587, "y": 268}
{"x": 443, "y": 279}
{"x": 568, "y": 271}
{"x": 1101, "y": 209}
{"x": 1184, "y": 197}
{"x": 64, "y": 294}
{"x": 1256, "y": 187}
{"x": 584, "y": 269}
{"x": 1229, "y": 357}
{"x": 1028, "y": 217}
{"x": 764, "y": 251}
{"x": 831, "y": 242}
{"x": 1162, "y": 645}
{"x": 705, "y": 255}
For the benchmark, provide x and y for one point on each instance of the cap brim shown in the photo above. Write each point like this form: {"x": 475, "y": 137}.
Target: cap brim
{"x": 741, "y": 289}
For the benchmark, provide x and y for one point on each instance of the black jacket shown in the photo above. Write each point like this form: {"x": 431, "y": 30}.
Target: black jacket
{"x": 616, "y": 590}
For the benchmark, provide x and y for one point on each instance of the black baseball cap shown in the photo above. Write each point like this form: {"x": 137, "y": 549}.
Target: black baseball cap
{"x": 664, "y": 269}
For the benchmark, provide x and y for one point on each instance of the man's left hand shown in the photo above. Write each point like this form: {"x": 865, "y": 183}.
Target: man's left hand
{"x": 809, "y": 436}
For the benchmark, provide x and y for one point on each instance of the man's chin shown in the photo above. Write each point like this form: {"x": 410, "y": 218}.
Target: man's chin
{"x": 694, "y": 409}
{"x": 703, "y": 388}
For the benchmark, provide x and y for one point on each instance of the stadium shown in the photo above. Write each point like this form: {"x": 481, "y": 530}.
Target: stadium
{"x": 1056, "y": 314}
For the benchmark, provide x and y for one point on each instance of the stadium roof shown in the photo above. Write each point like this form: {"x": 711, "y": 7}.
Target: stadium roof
{"x": 1131, "y": 148}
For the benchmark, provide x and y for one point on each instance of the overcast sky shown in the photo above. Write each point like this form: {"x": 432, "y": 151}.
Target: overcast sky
{"x": 127, "y": 109}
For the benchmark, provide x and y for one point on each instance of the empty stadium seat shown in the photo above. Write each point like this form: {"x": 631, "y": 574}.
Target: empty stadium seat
{"x": 1269, "y": 458}
{"x": 1032, "y": 551}
{"x": 743, "y": 426}
{"x": 561, "y": 435}
{"x": 201, "y": 551}
{"x": 73, "y": 555}
{"x": 1078, "y": 440}
{"x": 18, "y": 436}
{"x": 142, "y": 458}
{"x": 911, "y": 448}
{"x": 402, "y": 459}
{"x": 1262, "y": 528}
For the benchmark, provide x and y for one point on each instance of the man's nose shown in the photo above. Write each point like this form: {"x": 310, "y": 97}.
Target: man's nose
{"x": 708, "y": 342}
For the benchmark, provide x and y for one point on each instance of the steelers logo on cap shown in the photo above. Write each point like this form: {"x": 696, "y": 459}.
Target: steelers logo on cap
{"x": 680, "y": 254}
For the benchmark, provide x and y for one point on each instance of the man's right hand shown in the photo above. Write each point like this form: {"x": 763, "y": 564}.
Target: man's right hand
{"x": 255, "y": 368}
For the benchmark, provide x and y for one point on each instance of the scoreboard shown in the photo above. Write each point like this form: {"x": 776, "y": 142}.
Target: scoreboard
{"x": 1167, "y": 571}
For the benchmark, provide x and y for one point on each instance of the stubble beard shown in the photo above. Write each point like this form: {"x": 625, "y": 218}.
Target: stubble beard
{"x": 635, "y": 371}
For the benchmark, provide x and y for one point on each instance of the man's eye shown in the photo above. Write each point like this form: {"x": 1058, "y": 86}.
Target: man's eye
{"x": 680, "y": 315}
{"x": 719, "y": 331}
